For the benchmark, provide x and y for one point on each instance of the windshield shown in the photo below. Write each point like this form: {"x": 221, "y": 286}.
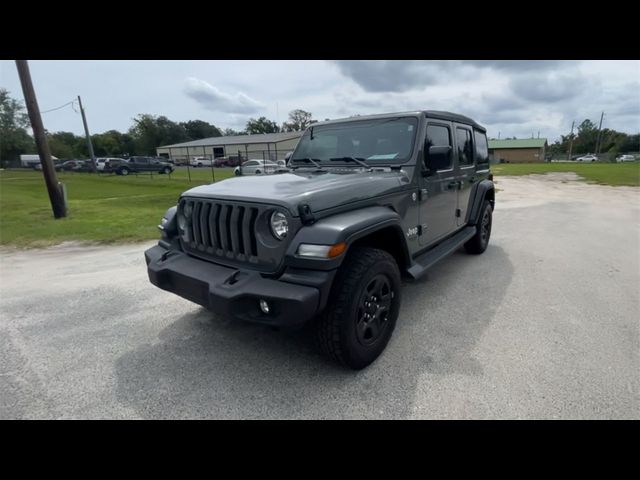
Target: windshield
{"x": 381, "y": 141}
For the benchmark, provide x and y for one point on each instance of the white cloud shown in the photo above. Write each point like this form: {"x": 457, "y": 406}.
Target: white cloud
{"x": 212, "y": 98}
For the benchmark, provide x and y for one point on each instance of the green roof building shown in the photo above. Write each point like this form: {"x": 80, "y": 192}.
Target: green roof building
{"x": 524, "y": 150}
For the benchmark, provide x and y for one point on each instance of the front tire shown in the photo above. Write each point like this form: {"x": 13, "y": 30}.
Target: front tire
{"x": 479, "y": 242}
{"x": 362, "y": 309}
{"x": 124, "y": 171}
{"x": 166, "y": 170}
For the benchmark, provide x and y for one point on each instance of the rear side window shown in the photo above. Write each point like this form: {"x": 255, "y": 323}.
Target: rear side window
{"x": 465, "y": 148}
{"x": 482, "y": 149}
{"x": 438, "y": 136}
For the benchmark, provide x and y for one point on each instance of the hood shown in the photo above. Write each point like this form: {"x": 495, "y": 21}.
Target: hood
{"x": 319, "y": 190}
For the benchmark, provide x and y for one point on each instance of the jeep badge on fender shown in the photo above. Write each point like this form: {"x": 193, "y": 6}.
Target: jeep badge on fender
{"x": 329, "y": 240}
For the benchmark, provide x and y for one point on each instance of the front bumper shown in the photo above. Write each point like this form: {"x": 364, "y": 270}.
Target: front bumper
{"x": 237, "y": 292}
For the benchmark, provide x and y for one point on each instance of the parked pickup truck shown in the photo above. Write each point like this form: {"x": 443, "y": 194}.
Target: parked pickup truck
{"x": 136, "y": 165}
{"x": 366, "y": 201}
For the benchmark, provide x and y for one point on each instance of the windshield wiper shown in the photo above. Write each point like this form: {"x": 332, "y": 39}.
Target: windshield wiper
{"x": 308, "y": 160}
{"x": 352, "y": 159}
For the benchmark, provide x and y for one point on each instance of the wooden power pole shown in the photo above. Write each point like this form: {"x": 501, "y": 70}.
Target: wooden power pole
{"x": 55, "y": 189}
{"x": 571, "y": 141}
{"x": 94, "y": 169}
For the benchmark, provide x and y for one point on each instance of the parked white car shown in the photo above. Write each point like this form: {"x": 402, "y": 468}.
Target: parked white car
{"x": 587, "y": 158}
{"x": 200, "y": 162}
{"x": 257, "y": 167}
{"x": 626, "y": 158}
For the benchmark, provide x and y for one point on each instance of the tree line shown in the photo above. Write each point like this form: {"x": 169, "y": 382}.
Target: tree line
{"x": 143, "y": 137}
{"x": 585, "y": 140}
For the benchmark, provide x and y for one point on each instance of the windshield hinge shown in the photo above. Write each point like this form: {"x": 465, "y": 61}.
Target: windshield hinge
{"x": 305, "y": 214}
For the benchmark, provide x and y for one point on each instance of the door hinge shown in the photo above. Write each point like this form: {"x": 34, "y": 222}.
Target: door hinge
{"x": 458, "y": 212}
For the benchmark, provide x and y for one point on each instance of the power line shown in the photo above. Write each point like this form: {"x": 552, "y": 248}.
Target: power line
{"x": 58, "y": 108}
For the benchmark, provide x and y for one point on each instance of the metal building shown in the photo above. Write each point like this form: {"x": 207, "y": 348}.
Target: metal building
{"x": 266, "y": 146}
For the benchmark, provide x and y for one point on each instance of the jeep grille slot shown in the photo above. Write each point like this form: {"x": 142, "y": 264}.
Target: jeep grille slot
{"x": 221, "y": 230}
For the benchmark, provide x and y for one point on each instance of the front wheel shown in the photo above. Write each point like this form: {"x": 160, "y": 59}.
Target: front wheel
{"x": 478, "y": 243}
{"x": 166, "y": 170}
{"x": 124, "y": 171}
{"x": 362, "y": 310}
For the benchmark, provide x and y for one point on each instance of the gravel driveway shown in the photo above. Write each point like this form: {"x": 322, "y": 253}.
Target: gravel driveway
{"x": 545, "y": 324}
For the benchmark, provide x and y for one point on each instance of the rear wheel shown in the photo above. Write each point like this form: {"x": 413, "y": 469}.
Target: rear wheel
{"x": 480, "y": 240}
{"x": 258, "y": 172}
{"x": 166, "y": 170}
{"x": 124, "y": 171}
{"x": 363, "y": 308}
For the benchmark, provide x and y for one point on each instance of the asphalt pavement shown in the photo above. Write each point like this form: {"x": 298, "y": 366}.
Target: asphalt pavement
{"x": 544, "y": 324}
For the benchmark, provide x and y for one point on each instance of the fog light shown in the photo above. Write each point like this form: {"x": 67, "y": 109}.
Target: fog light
{"x": 264, "y": 306}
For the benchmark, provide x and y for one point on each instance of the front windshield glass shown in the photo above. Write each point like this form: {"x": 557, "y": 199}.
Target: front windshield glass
{"x": 380, "y": 141}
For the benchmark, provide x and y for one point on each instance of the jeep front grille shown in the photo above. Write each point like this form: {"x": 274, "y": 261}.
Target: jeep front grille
{"x": 221, "y": 229}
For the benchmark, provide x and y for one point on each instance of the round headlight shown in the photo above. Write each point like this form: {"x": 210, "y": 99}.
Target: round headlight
{"x": 279, "y": 225}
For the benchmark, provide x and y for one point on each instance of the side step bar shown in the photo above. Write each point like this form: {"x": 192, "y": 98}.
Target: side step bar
{"x": 433, "y": 256}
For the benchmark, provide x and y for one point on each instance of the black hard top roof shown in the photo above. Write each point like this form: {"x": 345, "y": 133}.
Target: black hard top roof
{"x": 452, "y": 117}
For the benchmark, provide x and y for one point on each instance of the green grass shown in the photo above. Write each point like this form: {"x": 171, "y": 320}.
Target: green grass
{"x": 601, "y": 173}
{"x": 102, "y": 208}
{"x": 109, "y": 208}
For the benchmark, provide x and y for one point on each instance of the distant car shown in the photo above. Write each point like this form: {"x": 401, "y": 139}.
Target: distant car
{"x": 200, "y": 162}
{"x": 102, "y": 161}
{"x": 226, "y": 162}
{"x": 56, "y": 165}
{"x": 626, "y": 158}
{"x": 138, "y": 164}
{"x": 587, "y": 158}
{"x": 69, "y": 165}
{"x": 256, "y": 167}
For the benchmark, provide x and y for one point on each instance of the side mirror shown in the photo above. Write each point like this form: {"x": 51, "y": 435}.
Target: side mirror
{"x": 438, "y": 158}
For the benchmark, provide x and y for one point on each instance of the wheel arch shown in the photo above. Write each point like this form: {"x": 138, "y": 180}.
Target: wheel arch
{"x": 485, "y": 190}
{"x": 376, "y": 227}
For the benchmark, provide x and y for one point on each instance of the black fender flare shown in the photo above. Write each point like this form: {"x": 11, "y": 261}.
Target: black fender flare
{"x": 480, "y": 193}
{"x": 343, "y": 227}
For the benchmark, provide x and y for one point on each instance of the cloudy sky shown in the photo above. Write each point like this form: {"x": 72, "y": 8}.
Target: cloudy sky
{"x": 513, "y": 98}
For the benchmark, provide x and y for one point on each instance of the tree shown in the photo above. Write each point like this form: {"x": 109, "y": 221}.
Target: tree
{"x": 150, "y": 132}
{"x": 14, "y": 138}
{"x": 261, "y": 125}
{"x": 63, "y": 145}
{"x": 298, "y": 121}
{"x": 197, "y": 129}
{"x": 585, "y": 141}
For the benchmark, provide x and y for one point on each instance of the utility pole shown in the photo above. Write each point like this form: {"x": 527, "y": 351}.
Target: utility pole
{"x": 571, "y": 141}
{"x": 86, "y": 132}
{"x": 598, "y": 141}
{"x": 54, "y": 188}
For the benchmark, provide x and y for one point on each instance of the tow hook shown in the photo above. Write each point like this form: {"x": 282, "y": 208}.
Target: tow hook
{"x": 166, "y": 255}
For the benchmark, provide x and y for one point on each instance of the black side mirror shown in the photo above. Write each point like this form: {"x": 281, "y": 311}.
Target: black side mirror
{"x": 438, "y": 158}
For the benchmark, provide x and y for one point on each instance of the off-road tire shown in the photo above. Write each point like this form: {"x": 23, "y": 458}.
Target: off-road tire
{"x": 479, "y": 242}
{"x": 336, "y": 328}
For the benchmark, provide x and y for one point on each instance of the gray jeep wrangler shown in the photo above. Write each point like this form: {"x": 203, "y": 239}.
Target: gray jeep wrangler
{"x": 366, "y": 201}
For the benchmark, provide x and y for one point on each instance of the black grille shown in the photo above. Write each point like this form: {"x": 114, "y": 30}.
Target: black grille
{"x": 220, "y": 229}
